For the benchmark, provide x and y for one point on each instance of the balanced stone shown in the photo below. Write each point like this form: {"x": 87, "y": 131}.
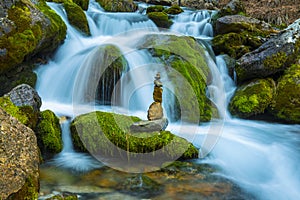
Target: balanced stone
{"x": 155, "y": 111}
{"x": 157, "y": 94}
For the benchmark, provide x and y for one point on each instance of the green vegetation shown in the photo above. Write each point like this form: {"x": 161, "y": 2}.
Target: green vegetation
{"x": 276, "y": 61}
{"x": 190, "y": 75}
{"x": 235, "y": 44}
{"x": 99, "y": 133}
{"x": 48, "y": 134}
{"x": 29, "y": 191}
{"x": 161, "y": 19}
{"x": 253, "y": 98}
{"x": 118, "y": 5}
{"x": 174, "y": 10}
{"x": 77, "y": 17}
{"x": 286, "y": 104}
{"x": 13, "y": 110}
{"x": 157, "y": 8}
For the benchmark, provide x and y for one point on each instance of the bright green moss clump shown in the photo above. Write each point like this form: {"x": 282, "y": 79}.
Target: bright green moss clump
{"x": 161, "y": 19}
{"x": 189, "y": 76}
{"x": 29, "y": 191}
{"x": 48, "y": 134}
{"x": 174, "y": 10}
{"x": 253, "y": 98}
{"x": 77, "y": 17}
{"x": 276, "y": 61}
{"x": 100, "y": 133}
{"x": 13, "y": 110}
{"x": 286, "y": 104}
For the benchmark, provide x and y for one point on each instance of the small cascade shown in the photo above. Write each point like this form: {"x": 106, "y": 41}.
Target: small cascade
{"x": 193, "y": 23}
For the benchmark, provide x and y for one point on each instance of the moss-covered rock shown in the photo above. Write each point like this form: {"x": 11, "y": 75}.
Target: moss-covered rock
{"x": 77, "y": 17}
{"x": 235, "y": 44}
{"x": 48, "y": 134}
{"x": 174, "y": 10}
{"x": 108, "y": 136}
{"x": 161, "y": 19}
{"x": 25, "y": 114}
{"x": 84, "y": 4}
{"x": 286, "y": 104}
{"x": 118, "y": 5}
{"x": 253, "y": 98}
{"x": 35, "y": 30}
{"x": 189, "y": 76}
{"x": 157, "y": 8}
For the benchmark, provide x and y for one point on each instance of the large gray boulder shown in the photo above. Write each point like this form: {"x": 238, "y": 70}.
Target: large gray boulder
{"x": 19, "y": 160}
{"x": 25, "y": 95}
{"x": 275, "y": 55}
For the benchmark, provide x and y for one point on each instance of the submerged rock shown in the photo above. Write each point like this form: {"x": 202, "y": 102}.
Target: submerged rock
{"x": 19, "y": 160}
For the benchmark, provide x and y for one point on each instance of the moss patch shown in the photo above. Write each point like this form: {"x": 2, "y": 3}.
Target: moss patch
{"x": 13, "y": 110}
{"x": 100, "y": 132}
{"x": 186, "y": 57}
{"x": 286, "y": 104}
{"x": 174, "y": 10}
{"x": 118, "y": 5}
{"x": 161, "y": 19}
{"x": 48, "y": 134}
{"x": 77, "y": 17}
{"x": 252, "y": 98}
{"x": 29, "y": 191}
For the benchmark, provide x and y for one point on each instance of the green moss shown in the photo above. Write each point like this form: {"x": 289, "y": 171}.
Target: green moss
{"x": 48, "y": 134}
{"x": 13, "y": 110}
{"x": 118, "y": 5}
{"x": 275, "y": 61}
{"x": 77, "y": 17}
{"x": 161, "y": 19}
{"x": 29, "y": 191}
{"x": 84, "y": 4}
{"x": 98, "y": 130}
{"x": 235, "y": 44}
{"x": 174, "y": 10}
{"x": 186, "y": 57}
{"x": 286, "y": 104}
{"x": 157, "y": 8}
{"x": 253, "y": 98}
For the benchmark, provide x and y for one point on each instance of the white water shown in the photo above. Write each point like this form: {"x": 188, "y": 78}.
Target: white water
{"x": 261, "y": 157}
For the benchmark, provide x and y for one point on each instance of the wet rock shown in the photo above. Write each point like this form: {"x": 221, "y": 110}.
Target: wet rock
{"x": 149, "y": 126}
{"x": 19, "y": 160}
{"x": 232, "y": 8}
{"x": 118, "y": 6}
{"x": 273, "y": 56}
{"x": 25, "y": 95}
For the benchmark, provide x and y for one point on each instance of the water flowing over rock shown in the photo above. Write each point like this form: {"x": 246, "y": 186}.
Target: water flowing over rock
{"x": 25, "y": 95}
{"x": 273, "y": 56}
{"x": 19, "y": 160}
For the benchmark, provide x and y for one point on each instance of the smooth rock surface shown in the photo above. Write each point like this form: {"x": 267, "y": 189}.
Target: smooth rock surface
{"x": 149, "y": 126}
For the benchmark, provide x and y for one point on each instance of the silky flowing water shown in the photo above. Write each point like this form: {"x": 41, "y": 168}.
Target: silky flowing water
{"x": 261, "y": 158}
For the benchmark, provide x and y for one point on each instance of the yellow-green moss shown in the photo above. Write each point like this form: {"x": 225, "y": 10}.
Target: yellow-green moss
{"x": 186, "y": 57}
{"x": 13, "y": 110}
{"x": 161, "y": 19}
{"x": 275, "y": 61}
{"x": 118, "y": 5}
{"x": 157, "y": 8}
{"x": 48, "y": 133}
{"x": 95, "y": 128}
{"x": 84, "y": 4}
{"x": 253, "y": 98}
{"x": 29, "y": 191}
{"x": 174, "y": 10}
{"x": 286, "y": 104}
{"x": 77, "y": 17}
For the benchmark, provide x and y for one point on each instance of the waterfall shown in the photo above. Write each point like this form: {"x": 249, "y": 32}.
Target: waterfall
{"x": 260, "y": 157}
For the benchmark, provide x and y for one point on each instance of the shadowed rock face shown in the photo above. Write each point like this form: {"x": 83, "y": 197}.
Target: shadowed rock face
{"x": 19, "y": 159}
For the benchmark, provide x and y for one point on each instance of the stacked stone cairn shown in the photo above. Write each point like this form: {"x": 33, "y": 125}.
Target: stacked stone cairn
{"x": 156, "y": 120}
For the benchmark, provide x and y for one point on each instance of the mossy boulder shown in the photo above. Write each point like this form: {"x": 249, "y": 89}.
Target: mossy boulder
{"x": 272, "y": 57}
{"x": 84, "y": 4}
{"x": 253, "y": 98}
{"x": 286, "y": 104}
{"x": 76, "y": 17}
{"x": 118, "y": 5}
{"x": 161, "y": 19}
{"x": 174, "y": 10}
{"x": 157, "y": 8}
{"x": 232, "y": 8}
{"x": 108, "y": 135}
{"x": 185, "y": 61}
{"x": 34, "y": 30}
{"x": 48, "y": 134}
{"x": 25, "y": 114}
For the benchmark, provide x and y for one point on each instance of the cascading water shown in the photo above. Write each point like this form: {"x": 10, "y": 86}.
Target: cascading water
{"x": 260, "y": 157}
